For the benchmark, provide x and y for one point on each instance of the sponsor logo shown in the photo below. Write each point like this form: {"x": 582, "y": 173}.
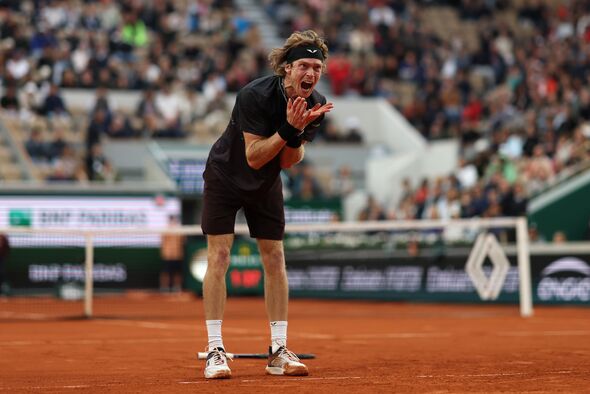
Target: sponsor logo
{"x": 20, "y": 217}
{"x": 312, "y": 50}
{"x": 103, "y": 273}
{"x": 321, "y": 278}
{"x": 454, "y": 280}
{"x": 566, "y": 279}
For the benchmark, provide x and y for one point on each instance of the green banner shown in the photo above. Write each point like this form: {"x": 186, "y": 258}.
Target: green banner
{"x": 244, "y": 276}
{"x": 114, "y": 268}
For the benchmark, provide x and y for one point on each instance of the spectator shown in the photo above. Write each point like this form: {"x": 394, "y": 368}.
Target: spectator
{"x": 342, "y": 184}
{"x": 120, "y": 127}
{"x": 67, "y": 167}
{"x": 98, "y": 167}
{"x": 148, "y": 111}
{"x": 352, "y": 130}
{"x": 53, "y": 105}
{"x": 421, "y": 196}
{"x": 17, "y": 66}
{"x": 303, "y": 183}
{"x": 466, "y": 174}
{"x": 56, "y": 147}
{"x": 168, "y": 104}
{"x": 9, "y": 101}
{"x": 372, "y": 211}
{"x": 36, "y": 146}
{"x": 97, "y": 128}
{"x": 134, "y": 32}
{"x": 103, "y": 103}
{"x": 172, "y": 254}
{"x": 559, "y": 237}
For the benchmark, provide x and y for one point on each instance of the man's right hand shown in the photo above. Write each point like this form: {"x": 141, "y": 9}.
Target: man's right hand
{"x": 299, "y": 116}
{"x": 297, "y": 113}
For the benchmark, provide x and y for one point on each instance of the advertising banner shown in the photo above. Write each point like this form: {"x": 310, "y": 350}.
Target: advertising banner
{"x": 244, "y": 276}
{"x": 86, "y": 212}
{"x": 114, "y": 268}
{"x": 557, "y": 279}
{"x": 562, "y": 279}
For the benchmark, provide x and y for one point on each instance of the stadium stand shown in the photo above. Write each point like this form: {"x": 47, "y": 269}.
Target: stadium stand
{"x": 449, "y": 67}
{"x": 482, "y": 72}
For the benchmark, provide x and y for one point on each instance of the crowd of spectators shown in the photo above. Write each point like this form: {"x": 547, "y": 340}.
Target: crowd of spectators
{"x": 512, "y": 88}
{"x": 508, "y": 79}
{"x": 182, "y": 56}
{"x": 129, "y": 44}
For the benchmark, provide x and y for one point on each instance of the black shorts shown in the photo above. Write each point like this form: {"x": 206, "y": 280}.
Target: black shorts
{"x": 264, "y": 212}
{"x": 172, "y": 266}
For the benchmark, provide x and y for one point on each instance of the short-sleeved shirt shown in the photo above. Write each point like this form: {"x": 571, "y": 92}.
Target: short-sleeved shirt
{"x": 260, "y": 109}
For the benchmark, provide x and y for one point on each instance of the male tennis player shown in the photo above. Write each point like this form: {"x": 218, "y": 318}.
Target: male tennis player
{"x": 272, "y": 119}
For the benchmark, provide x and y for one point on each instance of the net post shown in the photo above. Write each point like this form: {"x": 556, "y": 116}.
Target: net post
{"x": 524, "y": 267}
{"x": 88, "y": 277}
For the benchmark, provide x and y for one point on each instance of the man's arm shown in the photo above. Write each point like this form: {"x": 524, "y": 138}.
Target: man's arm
{"x": 260, "y": 150}
{"x": 291, "y": 156}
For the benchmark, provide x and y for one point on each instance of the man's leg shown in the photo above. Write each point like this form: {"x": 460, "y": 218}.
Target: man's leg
{"x": 276, "y": 286}
{"x": 276, "y": 295}
{"x": 214, "y": 297}
{"x": 164, "y": 277}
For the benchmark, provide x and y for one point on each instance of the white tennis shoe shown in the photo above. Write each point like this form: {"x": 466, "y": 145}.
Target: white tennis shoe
{"x": 216, "y": 365}
{"x": 285, "y": 362}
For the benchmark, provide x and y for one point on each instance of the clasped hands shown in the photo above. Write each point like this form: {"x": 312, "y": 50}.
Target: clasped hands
{"x": 299, "y": 116}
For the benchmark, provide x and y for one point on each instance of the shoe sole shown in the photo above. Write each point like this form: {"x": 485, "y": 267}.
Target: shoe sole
{"x": 292, "y": 371}
{"x": 218, "y": 375}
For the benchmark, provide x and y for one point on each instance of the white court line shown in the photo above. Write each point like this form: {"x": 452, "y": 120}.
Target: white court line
{"x": 287, "y": 379}
{"x": 92, "y": 341}
{"x": 19, "y": 315}
{"x": 77, "y": 386}
{"x": 491, "y": 375}
{"x": 169, "y": 326}
{"x": 295, "y": 334}
{"x": 309, "y": 335}
{"x": 148, "y": 324}
{"x": 565, "y": 333}
{"x": 402, "y": 335}
{"x": 104, "y": 341}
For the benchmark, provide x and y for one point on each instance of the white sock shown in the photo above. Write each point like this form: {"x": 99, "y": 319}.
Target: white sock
{"x": 278, "y": 334}
{"x": 214, "y": 333}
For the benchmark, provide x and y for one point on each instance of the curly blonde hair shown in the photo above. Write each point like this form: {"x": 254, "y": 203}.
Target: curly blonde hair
{"x": 277, "y": 56}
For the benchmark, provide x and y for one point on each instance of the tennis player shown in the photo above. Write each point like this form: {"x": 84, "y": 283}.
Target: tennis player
{"x": 272, "y": 119}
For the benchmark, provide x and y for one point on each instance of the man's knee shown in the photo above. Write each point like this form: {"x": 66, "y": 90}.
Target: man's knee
{"x": 274, "y": 262}
{"x": 218, "y": 261}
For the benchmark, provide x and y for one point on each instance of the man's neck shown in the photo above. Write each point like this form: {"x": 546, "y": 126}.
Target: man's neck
{"x": 288, "y": 88}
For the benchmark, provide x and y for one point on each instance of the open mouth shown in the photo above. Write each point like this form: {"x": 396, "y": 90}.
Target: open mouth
{"x": 306, "y": 85}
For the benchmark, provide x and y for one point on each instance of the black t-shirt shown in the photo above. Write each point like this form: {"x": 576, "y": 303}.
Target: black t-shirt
{"x": 261, "y": 109}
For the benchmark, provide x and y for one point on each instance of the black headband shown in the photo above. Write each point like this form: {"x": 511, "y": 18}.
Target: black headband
{"x": 304, "y": 51}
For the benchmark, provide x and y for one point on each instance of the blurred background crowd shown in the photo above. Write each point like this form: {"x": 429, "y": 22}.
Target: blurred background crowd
{"x": 508, "y": 79}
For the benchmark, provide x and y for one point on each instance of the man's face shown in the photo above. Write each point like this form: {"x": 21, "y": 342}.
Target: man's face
{"x": 302, "y": 75}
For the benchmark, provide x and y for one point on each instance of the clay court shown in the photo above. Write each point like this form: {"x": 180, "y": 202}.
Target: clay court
{"x": 148, "y": 343}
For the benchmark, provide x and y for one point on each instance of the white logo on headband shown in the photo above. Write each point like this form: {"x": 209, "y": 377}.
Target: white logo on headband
{"x": 312, "y": 50}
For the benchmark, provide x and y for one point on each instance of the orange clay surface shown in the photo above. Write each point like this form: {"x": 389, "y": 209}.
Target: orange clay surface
{"x": 142, "y": 343}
